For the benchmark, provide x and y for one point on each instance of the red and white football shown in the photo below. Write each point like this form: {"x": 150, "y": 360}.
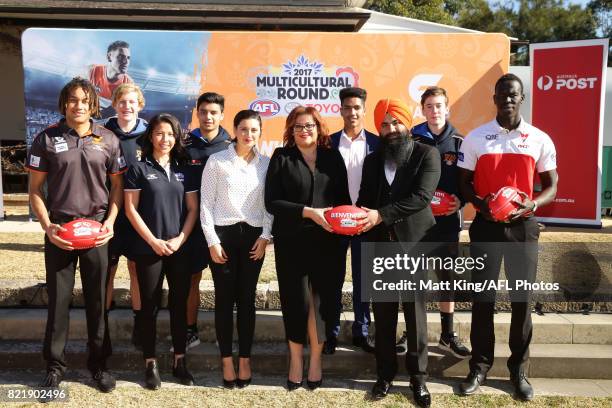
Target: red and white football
{"x": 81, "y": 233}
{"x": 343, "y": 219}
{"x": 441, "y": 202}
{"x": 504, "y": 203}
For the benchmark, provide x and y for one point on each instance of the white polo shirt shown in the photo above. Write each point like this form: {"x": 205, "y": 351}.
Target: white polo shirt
{"x": 499, "y": 157}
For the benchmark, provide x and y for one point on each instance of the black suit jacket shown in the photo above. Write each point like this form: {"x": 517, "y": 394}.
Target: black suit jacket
{"x": 290, "y": 186}
{"x": 408, "y": 213}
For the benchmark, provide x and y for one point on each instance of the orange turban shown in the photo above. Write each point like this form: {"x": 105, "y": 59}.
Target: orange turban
{"x": 394, "y": 107}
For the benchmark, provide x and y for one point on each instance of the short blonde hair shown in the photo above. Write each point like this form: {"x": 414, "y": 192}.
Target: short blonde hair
{"x": 125, "y": 88}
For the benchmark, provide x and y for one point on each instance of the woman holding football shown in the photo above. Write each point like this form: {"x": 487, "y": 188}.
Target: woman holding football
{"x": 306, "y": 178}
{"x": 237, "y": 228}
{"x": 161, "y": 204}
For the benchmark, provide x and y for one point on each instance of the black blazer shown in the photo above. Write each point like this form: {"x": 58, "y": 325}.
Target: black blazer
{"x": 408, "y": 211}
{"x": 290, "y": 186}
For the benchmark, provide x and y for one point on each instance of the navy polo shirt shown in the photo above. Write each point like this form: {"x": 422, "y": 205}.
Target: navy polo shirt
{"x": 162, "y": 199}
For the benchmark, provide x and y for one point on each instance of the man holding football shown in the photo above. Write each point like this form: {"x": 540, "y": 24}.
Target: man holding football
{"x": 397, "y": 185}
{"x": 506, "y": 152}
{"x": 75, "y": 157}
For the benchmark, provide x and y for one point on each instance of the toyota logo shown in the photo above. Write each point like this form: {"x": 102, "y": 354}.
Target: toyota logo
{"x": 545, "y": 82}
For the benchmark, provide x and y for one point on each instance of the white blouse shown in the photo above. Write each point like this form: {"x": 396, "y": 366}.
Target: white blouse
{"x": 232, "y": 191}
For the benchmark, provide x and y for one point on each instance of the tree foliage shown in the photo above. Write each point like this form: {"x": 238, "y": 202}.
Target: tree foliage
{"x": 529, "y": 20}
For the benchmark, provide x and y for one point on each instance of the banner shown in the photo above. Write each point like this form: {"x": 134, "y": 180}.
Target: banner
{"x": 568, "y": 91}
{"x": 268, "y": 72}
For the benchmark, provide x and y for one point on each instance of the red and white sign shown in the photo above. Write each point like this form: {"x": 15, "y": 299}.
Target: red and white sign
{"x": 568, "y": 90}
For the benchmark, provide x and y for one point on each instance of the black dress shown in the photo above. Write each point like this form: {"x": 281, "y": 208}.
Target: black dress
{"x": 306, "y": 255}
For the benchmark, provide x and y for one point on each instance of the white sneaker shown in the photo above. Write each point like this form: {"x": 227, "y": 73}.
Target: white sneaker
{"x": 401, "y": 347}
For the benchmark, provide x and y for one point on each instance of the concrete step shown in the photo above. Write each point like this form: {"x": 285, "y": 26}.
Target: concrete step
{"x": 551, "y": 328}
{"x": 547, "y": 361}
{"x": 24, "y": 293}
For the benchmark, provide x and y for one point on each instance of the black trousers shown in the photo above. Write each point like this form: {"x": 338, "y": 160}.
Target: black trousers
{"x": 236, "y": 283}
{"x": 385, "y": 318}
{"x": 60, "y": 268}
{"x": 312, "y": 260}
{"x": 150, "y": 270}
{"x": 516, "y": 266}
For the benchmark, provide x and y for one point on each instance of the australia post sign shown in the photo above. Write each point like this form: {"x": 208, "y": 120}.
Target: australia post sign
{"x": 568, "y": 103}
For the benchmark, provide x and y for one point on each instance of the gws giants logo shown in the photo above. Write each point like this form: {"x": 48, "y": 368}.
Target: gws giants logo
{"x": 564, "y": 81}
{"x": 418, "y": 84}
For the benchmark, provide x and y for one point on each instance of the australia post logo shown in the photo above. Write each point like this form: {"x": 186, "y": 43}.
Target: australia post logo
{"x": 303, "y": 81}
{"x": 565, "y": 81}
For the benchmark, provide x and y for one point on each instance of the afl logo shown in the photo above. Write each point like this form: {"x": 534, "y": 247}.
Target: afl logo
{"x": 265, "y": 107}
{"x": 545, "y": 82}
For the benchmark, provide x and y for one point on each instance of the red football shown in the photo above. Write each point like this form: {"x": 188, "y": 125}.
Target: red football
{"x": 504, "y": 203}
{"x": 81, "y": 233}
{"x": 441, "y": 202}
{"x": 343, "y": 219}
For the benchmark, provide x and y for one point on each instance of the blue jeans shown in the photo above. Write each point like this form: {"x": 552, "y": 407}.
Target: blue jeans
{"x": 360, "y": 309}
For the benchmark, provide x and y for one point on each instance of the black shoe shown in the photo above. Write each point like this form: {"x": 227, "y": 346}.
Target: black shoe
{"x": 292, "y": 386}
{"x": 229, "y": 384}
{"x": 365, "y": 342}
{"x": 522, "y": 387}
{"x": 240, "y": 383}
{"x": 330, "y": 345}
{"x": 472, "y": 383}
{"x": 106, "y": 382}
{"x": 51, "y": 382}
{"x": 313, "y": 385}
{"x": 152, "y": 380}
{"x": 181, "y": 372}
{"x": 453, "y": 345}
{"x": 381, "y": 389}
{"x": 422, "y": 397}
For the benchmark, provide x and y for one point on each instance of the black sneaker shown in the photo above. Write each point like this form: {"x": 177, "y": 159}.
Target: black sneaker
{"x": 453, "y": 345}
{"x": 193, "y": 340}
{"x": 51, "y": 382}
{"x": 106, "y": 382}
{"x": 401, "y": 347}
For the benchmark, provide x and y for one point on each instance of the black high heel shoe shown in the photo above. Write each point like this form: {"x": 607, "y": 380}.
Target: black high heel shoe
{"x": 229, "y": 384}
{"x": 240, "y": 383}
{"x": 292, "y": 386}
{"x": 313, "y": 385}
{"x": 152, "y": 380}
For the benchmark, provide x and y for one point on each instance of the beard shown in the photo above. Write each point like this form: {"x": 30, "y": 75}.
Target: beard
{"x": 396, "y": 147}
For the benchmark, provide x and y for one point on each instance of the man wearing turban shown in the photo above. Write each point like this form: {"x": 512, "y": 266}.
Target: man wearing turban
{"x": 397, "y": 185}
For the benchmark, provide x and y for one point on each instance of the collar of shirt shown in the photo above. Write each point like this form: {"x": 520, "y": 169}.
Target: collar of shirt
{"x": 344, "y": 137}
{"x": 221, "y": 137}
{"x": 521, "y": 128}
{"x": 67, "y": 130}
{"x": 234, "y": 155}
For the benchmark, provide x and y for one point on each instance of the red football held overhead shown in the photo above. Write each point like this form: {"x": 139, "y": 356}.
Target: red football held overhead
{"x": 81, "y": 233}
{"x": 343, "y": 219}
{"x": 441, "y": 202}
{"x": 504, "y": 203}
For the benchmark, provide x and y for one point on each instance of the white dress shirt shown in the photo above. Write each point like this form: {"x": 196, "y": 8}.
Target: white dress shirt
{"x": 232, "y": 191}
{"x": 390, "y": 169}
{"x": 353, "y": 152}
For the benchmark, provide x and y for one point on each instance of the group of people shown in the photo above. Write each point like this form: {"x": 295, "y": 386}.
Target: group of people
{"x": 174, "y": 203}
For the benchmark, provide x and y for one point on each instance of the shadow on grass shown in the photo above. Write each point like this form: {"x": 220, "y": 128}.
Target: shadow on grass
{"x": 12, "y": 246}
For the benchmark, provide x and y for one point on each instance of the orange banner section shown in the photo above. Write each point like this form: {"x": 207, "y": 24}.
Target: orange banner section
{"x": 274, "y": 72}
